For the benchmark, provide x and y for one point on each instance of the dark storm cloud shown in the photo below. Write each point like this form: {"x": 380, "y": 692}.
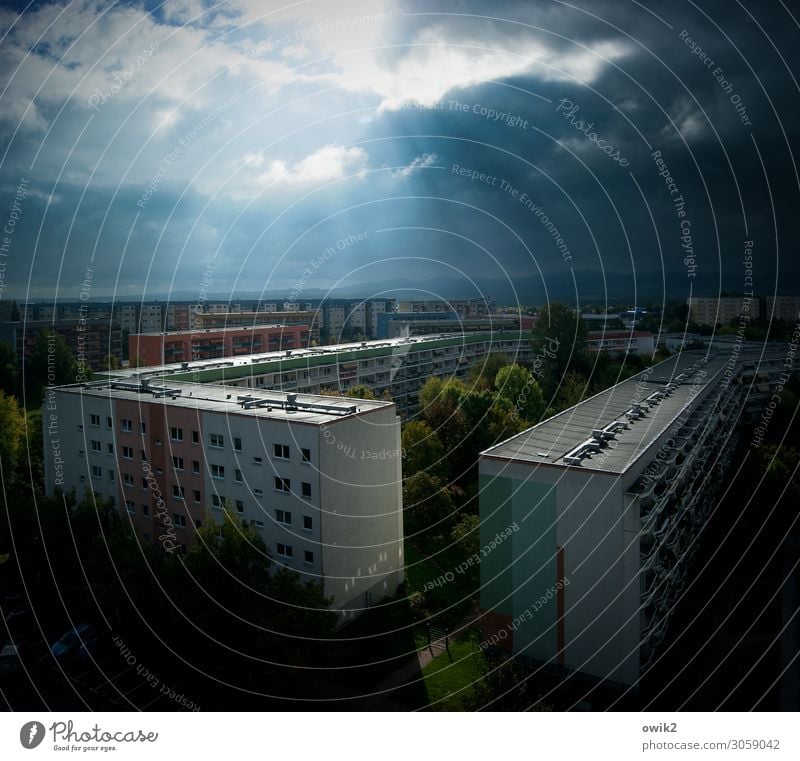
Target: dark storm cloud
{"x": 566, "y": 145}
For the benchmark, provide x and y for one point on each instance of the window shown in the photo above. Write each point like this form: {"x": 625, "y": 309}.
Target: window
{"x": 127, "y": 425}
{"x": 127, "y": 453}
{"x": 217, "y": 440}
{"x": 308, "y": 557}
{"x": 95, "y": 445}
{"x": 217, "y": 471}
{"x": 178, "y": 491}
{"x": 97, "y": 471}
{"x": 177, "y": 462}
{"x": 157, "y": 442}
{"x": 176, "y": 434}
{"x": 258, "y": 524}
{"x": 144, "y": 483}
{"x": 195, "y": 437}
{"x": 306, "y": 489}
{"x": 239, "y": 506}
{"x": 257, "y": 461}
{"x": 284, "y": 517}
{"x": 237, "y": 476}
{"x": 258, "y": 492}
{"x": 307, "y": 523}
{"x": 110, "y": 448}
{"x": 237, "y": 444}
{"x": 109, "y": 423}
{"x": 306, "y": 455}
{"x": 281, "y": 451}
{"x": 94, "y": 420}
{"x": 179, "y": 520}
{"x": 130, "y": 506}
{"x": 198, "y": 523}
{"x": 143, "y": 455}
{"x": 284, "y": 550}
{"x": 196, "y": 467}
{"x": 217, "y": 500}
{"x": 110, "y": 474}
{"x": 196, "y": 495}
{"x": 142, "y": 427}
{"x": 80, "y": 453}
{"x": 145, "y": 509}
{"x": 282, "y": 484}
{"x": 128, "y": 479}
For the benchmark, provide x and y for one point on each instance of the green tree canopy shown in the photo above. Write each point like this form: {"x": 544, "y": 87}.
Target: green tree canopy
{"x": 519, "y": 387}
{"x": 422, "y": 450}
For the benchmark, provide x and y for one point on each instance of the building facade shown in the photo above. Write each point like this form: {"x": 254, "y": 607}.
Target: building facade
{"x": 621, "y": 342}
{"x": 601, "y": 505}
{"x": 214, "y": 343}
{"x": 723, "y": 310}
{"x": 318, "y": 477}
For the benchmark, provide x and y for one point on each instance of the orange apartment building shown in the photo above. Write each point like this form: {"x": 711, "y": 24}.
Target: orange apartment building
{"x": 212, "y": 343}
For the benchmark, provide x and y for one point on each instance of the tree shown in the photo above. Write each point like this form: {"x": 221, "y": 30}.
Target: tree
{"x": 482, "y": 376}
{"x": 427, "y": 503}
{"x": 467, "y": 533}
{"x": 110, "y": 362}
{"x": 50, "y": 363}
{"x": 558, "y": 340}
{"x": 573, "y": 390}
{"x": 8, "y": 368}
{"x": 12, "y": 431}
{"x": 520, "y": 388}
{"x": 422, "y": 450}
{"x": 137, "y": 360}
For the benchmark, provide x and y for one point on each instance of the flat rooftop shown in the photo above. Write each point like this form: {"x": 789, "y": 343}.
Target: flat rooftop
{"x": 209, "y": 370}
{"x": 203, "y": 331}
{"x": 549, "y": 442}
{"x": 312, "y": 409}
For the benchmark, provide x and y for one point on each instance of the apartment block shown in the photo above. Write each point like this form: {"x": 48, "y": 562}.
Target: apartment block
{"x": 785, "y": 308}
{"x": 214, "y": 343}
{"x": 398, "y": 366}
{"x": 318, "y": 477}
{"x": 621, "y": 342}
{"x": 722, "y": 310}
{"x": 599, "y": 508}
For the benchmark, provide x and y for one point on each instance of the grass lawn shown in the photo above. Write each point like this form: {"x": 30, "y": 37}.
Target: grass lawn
{"x": 447, "y": 681}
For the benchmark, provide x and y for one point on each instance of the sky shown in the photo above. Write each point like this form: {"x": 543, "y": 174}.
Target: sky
{"x": 519, "y": 150}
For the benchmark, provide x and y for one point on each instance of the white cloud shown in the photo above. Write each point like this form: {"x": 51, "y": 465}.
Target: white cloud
{"x": 689, "y": 122}
{"x": 420, "y": 162}
{"x": 330, "y": 163}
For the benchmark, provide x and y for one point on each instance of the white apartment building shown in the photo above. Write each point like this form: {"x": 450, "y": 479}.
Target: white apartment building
{"x": 711, "y": 310}
{"x": 785, "y": 308}
{"x": 602, "y": 504}
{"x": 318, "y": 477}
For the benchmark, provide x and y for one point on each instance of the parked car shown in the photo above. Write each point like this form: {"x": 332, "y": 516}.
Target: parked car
{"x": 80, "y": 640}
